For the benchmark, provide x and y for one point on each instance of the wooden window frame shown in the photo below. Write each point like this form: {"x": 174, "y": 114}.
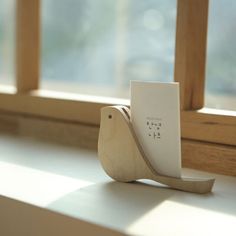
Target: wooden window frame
{"x": 200, "y": 126}
{"x": 209, "y": 125}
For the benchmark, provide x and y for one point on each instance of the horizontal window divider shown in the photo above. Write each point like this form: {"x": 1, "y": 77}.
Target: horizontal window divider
{"x": 210, "y": 125}
{"x": 213, "y": 126}
{"x": 64, "y": 106}
{"x": 211, "y": 157}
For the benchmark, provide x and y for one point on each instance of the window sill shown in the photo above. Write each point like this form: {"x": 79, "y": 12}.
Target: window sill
{"x": 50, "y": 189}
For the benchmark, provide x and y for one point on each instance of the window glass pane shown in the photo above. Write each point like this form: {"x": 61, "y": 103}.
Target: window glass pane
{"x": 97, "y": 47}
{"x": 7, "y": 22}
{"x": 221, "y": 67}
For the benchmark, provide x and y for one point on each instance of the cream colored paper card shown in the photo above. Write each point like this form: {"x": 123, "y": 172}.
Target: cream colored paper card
{"x": 155, "y": 116}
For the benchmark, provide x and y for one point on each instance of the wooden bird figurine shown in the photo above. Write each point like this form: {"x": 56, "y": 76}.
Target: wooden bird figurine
{"x": 123, "y": 159}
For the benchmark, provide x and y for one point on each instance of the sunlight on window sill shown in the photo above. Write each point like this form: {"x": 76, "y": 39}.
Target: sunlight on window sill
{"x": 36, "y": 186}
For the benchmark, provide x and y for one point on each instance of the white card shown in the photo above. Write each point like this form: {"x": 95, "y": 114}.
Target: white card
{"x": 155, "y": 116}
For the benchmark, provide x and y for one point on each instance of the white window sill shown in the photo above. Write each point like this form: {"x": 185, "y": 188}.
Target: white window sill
{"x": 48, "y": 189}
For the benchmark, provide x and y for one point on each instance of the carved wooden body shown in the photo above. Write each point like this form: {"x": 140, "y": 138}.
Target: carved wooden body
{"x": 123, "y": 159}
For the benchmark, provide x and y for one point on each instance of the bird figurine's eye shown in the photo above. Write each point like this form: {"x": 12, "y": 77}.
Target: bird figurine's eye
{"x": 110, "y": 116}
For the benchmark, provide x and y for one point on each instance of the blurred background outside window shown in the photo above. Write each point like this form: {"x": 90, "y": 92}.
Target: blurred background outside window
{"x": 97, "y": 47}
{"x": 221, "y": 58}
{"x": 7, "y": 41}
